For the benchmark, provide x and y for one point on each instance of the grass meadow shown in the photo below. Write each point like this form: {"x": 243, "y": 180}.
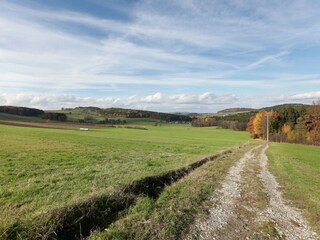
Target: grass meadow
{"x": 74, "y": 115}
{"x": 43, "y": 170}
{"x": 297, "y": 169}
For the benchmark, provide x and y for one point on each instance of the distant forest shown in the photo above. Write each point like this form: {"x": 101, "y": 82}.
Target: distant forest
{"x": 22, "y": 111}
{"x": 237, "y": 122}
{"x": 131, "y": 113}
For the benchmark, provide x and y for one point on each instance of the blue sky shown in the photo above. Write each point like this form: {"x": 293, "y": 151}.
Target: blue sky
{"x": 179, "y": 55}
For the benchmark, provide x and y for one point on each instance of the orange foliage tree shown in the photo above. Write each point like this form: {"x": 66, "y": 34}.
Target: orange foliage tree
{"x": 257, "y": 125}
{"x": 290, "y": 134}
{"x": 313, "y": 122}
{"x": 250, "y": 128}
{"x": 260, "y": 124}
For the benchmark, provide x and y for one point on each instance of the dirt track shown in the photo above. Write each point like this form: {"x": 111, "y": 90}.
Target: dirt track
{"x": 249, "y": 205}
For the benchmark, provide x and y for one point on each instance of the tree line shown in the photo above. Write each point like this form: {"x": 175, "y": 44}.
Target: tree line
{"x": 21, "y": 111}
{"x": 113, "y": 121}
{"x": 214, "y": 122}
{"x": 294, "y": 124}
{"x": 54, "y": 116}
{"x": 131, "y": 113}
{"x": 237, "y": 122}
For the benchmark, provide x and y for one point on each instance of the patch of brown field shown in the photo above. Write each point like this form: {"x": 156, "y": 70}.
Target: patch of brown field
{"x": 53, "y": 125}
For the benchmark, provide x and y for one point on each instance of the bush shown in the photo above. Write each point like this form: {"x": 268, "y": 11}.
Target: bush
{"x": 55, "y": 116}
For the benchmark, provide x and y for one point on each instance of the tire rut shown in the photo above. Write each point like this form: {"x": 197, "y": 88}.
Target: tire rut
{"x": 225, "y": 199}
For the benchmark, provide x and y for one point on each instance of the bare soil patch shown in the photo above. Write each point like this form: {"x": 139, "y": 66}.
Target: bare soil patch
{"x": 51, "y": 125}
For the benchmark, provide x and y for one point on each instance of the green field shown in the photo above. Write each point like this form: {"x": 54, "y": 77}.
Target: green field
{"x": 74, "y": 115}
{"x": 297, "y": 169}
{"x": 12, "y": 117}
{"x": 42, "y": 170}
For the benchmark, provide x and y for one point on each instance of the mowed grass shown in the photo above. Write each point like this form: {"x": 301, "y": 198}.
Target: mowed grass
{"x": 297, "y": 168}
{"x": 42, "y": 170}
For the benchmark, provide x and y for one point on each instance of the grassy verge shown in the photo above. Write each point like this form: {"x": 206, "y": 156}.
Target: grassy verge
{"x": 297, "y": 169}
{"x": 44, "y": 170}
{"x": 170, "y": 215}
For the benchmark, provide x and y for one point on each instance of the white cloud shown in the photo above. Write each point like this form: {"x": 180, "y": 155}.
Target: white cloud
{"x": 157, "y": 98}
{"x": 305, "y": 96}
{"x": 203, "y": 99}
{"x": 54, "y": 101}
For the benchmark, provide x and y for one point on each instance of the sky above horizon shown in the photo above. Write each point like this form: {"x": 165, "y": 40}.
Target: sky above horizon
{"x": 171, "y": 56}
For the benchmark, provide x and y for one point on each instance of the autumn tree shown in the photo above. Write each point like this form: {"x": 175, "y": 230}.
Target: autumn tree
{"x": 313, "y": 122}
{"x": 250, "y": 126}
{"x": 257, "y": 124}
{"x": 289, "y": 133}
{"x": 260, "y": 124}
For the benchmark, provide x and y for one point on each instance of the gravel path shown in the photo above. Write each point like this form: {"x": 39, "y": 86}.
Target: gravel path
{"x": 289, "y": 220}
{"x": 225, "y": 221}
{"x": 225, "y": 198}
